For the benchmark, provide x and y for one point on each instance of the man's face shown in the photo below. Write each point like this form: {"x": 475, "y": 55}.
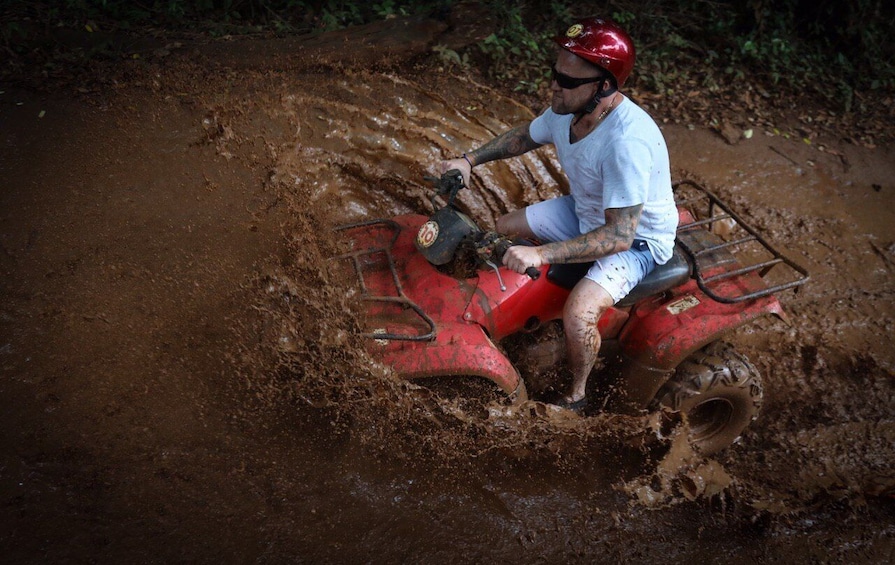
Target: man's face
{"x": 570, "y": 100}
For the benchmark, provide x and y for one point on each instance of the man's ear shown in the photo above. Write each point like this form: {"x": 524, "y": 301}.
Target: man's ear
{"x": 607, "y": 87}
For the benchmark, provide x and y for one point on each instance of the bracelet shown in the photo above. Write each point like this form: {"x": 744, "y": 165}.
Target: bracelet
{"x": 468, "y": 161}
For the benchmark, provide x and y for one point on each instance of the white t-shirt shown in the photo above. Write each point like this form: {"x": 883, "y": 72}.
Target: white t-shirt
{"x": 623, "y": 162}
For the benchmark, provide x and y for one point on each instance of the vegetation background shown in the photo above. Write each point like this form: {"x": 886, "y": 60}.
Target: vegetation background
{"x": 805, "y": 67}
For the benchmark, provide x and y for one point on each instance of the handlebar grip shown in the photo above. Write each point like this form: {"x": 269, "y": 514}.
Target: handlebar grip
{"x": 533, "y": 273}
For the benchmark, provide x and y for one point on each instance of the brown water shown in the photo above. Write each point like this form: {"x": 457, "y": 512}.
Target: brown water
{"x": 182, "y": 381}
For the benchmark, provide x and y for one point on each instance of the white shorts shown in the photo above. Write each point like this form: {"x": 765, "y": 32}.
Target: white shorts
{"x": 555, "y": 220}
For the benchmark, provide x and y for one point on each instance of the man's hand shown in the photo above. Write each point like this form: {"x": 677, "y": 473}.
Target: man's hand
{"x": 520, "y": 257}
{"x": 461, "y": 164}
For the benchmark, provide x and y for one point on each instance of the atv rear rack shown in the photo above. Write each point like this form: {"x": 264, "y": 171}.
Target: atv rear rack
{"x": 400, "y": 298}
{"x": 709, "y": 251}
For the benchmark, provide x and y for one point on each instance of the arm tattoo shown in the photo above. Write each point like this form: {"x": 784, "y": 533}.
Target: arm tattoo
{"x": 615, "y": 236}
{"x": 509, "y": 144}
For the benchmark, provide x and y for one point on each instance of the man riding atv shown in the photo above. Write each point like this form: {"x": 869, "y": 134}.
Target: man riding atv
{"x": 620, "y": 214}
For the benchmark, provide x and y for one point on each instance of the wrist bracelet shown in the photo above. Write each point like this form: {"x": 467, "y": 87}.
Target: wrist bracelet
{"x": 468, "y": 161}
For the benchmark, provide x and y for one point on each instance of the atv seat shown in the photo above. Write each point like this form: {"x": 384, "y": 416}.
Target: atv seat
{"x": 673, "y": 273}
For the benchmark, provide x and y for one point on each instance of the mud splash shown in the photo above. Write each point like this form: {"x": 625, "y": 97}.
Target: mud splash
{"x": 366, "y": 158}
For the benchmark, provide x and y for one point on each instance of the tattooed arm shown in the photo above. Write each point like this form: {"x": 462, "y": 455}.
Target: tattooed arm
{"x": 510, "y": 144}
{"x": 617, "y": 235}
{"x": 513, "y": 143}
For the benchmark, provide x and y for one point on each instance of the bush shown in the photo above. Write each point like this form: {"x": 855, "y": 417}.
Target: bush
{"x": 828, "y": 47}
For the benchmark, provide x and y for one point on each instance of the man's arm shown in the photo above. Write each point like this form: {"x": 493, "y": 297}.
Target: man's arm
{"x": 617, "y": 235}
{"x": 513, "y": 143}
{"x": 509, "y": 144}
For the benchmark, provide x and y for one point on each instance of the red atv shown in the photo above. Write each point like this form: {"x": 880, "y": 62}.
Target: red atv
{"x": 438, "y": 303}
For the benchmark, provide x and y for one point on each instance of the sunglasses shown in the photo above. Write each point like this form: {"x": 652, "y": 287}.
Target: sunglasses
{"x": 568, "y": 83}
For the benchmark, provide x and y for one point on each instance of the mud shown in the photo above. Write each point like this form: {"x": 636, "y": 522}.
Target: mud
{"x": 182, "y": 379}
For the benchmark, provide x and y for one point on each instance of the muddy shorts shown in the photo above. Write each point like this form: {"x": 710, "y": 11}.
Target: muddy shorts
{"x": 555, "y": 220}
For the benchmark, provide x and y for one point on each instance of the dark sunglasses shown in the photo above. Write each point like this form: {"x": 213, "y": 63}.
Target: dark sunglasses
{"x": 568, "y": 83}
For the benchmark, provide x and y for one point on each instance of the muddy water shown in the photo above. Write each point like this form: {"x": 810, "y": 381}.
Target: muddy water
{"x": 182, "y": 379}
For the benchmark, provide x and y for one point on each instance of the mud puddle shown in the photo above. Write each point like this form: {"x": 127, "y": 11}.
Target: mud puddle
{"x": 184, "y": 380}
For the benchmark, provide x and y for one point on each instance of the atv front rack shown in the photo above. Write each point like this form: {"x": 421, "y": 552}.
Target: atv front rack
{"x": 399, "y": 298}
{"x": 710, "y": 252}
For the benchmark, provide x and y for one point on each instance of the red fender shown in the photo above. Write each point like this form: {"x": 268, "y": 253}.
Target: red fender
{"x": 458, "y": 349}
{"x": 662, "y": 332}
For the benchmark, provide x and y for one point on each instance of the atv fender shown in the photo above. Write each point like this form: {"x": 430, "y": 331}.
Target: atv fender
{"x": 458, "y": 349}
{"x": 661, "y": 333}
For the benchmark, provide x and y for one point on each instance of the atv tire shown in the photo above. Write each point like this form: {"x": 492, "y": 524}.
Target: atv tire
{"x": 719, "y": 393}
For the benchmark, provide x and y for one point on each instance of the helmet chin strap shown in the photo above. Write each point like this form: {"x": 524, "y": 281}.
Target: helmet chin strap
{"x": 599, "y": 95}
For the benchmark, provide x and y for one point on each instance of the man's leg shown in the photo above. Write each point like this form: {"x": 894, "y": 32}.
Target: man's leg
{"x": 515, "y": 224}
{"x": 550, "y": 220}
{"x": 584, "y": 308}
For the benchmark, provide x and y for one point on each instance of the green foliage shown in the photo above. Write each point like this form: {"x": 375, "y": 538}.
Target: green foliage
{"x": 829, "y": 47}
{"x": 519, "y": 51}
{"x": 450, "y": 57}
{"x": 515, "y": 52}
{"x": 219, "y": 16}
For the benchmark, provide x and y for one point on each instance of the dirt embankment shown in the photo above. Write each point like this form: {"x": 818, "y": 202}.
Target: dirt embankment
{"x": 181, "y": 380}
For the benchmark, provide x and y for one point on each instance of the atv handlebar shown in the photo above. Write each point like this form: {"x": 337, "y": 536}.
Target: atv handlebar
{"x": 490, "y": 246}
{"x": 450, "y": 183}
{"x": 503, "y": 246}
{"x": 493, "y": 246}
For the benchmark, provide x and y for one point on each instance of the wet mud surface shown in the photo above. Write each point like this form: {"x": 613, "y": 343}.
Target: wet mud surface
{"x": 182, "y": 379}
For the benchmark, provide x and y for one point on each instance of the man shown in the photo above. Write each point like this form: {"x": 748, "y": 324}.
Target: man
{"x": 620, "y": 213}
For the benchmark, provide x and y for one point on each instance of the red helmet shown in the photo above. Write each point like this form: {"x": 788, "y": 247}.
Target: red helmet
{"x": 603, "y": 43}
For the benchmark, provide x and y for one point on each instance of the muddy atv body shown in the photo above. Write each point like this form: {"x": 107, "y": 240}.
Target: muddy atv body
{"x": 663, "y": 339}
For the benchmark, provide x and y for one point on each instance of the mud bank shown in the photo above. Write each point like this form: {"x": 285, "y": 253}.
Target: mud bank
{"x": 182, "y": 381}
